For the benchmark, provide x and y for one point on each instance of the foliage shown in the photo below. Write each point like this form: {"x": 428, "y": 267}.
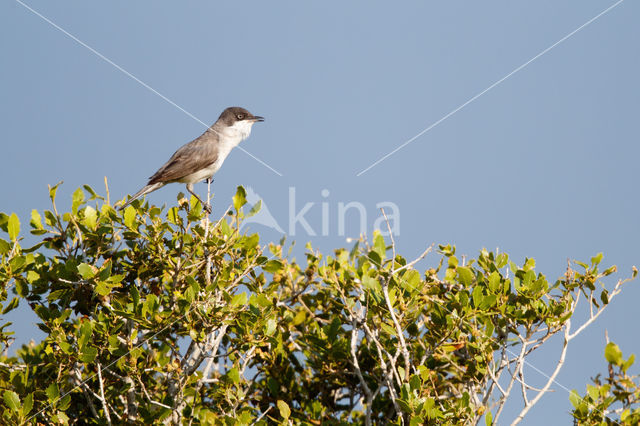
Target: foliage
{"x": 617, "y": 394}
{"x": 162, "y": 316}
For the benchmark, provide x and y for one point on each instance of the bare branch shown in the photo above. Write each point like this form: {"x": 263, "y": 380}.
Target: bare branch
{"x": 105, "y": 407}
{"x": 519, "y": 362}
{"x": 263, "y": 414}
{"x": 393, "y": 243}
{"x": 616, "y": 290}
{"x": 551, "y": 378}
{"x": 403, "y": 343}
{"x": 356, "y": 366}
{"x": 151, "y": 401}
{"x": 86, "y": 391}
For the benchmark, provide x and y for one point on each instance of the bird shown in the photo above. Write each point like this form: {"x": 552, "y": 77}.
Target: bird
{"x": 201, "y": 158}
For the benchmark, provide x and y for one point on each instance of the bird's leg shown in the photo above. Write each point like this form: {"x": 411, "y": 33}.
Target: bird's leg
{"x": 206, "y": 206}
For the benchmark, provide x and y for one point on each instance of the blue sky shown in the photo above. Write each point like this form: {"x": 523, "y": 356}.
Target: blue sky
{"x": 542, "y": 165}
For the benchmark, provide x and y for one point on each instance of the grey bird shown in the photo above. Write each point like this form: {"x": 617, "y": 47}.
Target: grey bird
{"x": 202, "y": 157}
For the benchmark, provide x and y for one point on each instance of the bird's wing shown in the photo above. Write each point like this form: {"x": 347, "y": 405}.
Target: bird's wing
{"x": 194, "y": 156}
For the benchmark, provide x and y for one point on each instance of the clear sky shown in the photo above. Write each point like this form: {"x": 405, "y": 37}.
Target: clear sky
{"x": 542, "y": 165}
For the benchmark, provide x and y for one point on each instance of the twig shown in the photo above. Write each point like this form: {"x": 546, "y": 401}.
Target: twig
{"x": 520, "y": 362}
{"x": 551, "y": 379}
{"x": 102, "y": 398}
{"x": 393, "y": 243}
{"x": 106, "y": 188}
{"x": 263, "y": 414}
{"x": 356, "y": 366}
{"x": 85, "y": 391}
{"x": 151, "y": 401}
{"x": 403, "y": 343}
{"x": 385, "y": 373}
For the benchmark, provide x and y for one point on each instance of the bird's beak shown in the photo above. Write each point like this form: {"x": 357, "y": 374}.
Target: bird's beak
{"x": 257, "y": 118}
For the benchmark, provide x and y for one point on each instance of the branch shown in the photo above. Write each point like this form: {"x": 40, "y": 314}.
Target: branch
{"x": 151, "y": 401}
{"x": 520, "y": 361}
{"x": 385, "y": 373}
{"x": 403, "y": 344}
{"x": 551, "y": 378}
{"x": 105, "y": 407}
{"x": 393, "y": 243}
{"x": 356, "y": 366}
{"x": 592, "y": 317}
{"x": 86, "y": 391}
{"x": 132, "y": 404}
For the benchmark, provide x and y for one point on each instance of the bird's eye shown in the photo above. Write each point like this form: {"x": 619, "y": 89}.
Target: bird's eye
{"x": 240, "y": 116}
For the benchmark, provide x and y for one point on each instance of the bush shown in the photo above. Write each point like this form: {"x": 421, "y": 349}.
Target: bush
{"x": 155, "y": 316}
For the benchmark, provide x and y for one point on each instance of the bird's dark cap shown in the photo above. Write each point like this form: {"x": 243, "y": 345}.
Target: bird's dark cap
{"x": 234, "y": 114}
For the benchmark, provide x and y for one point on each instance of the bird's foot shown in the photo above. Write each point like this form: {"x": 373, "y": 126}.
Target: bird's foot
{"x": 208, "y": 180}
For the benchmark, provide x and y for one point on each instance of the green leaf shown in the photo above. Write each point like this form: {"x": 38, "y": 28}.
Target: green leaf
{"x": 529, "y": 265}
{"x": 240, "y": 199}
{"x": 4, "y": 247}
{"x": 88, "y": 354}
{"x": 52, "y": 392}
{"x": 416, "y": 421}
{"x": 465, "y": 276}
{"x": 84, "y": 333}
{"x": 90, "y": 218}
{"x": 488, "y": 418}
{"x": 604, "y": 297}
{"x": 226, "y": 229}
{"x": 13, "y": 226}
{"x": 195, "y": 207}
{"x": 135, "y": 295}
{"x": 63, "y": 404}
{"x": 613, "y": 354}
{"x": 272, "y": 266}
{"x": 92, "y": 192}
{"x": 36, "y": 219}
{"x": 371, "y": 284}
{"x": 17, "y": 262}
{"x": 628, "y": 363}
{"x": 86, "y": 271}
{"x": 173, "y": 216}
{"x": 404, "y": 405}
{"x": 596, "y": 259}
{"x": 411, "y": 279}
{"x": 271, "y": 327}
{"x": 285, "y": 411}
{"x": 593, "y": 391}
{"x": 77, "y": 199}
{"x": 53, "y": 190}
{"x": 3, "y": 221}
{"x": 575, "y": 398}
{"x": 239, "y": 300}
{"x": 415, "y": 382}
{"x": 487, "y": 302}
{"x": 66, "y": 347}
{"x": 12, "y": 400}
{"x": 234, "y": 375}
{"x": 477, "y": 296}
{"x": 27, "y": 405}
{"x": 494, "y": 282}
{"x": 103, "y": 288}
{"x": 379, "y": 245}
{"x": 11, "y": 305}
{"x": 129, "y": 216}
{"x": 50, "y": 218}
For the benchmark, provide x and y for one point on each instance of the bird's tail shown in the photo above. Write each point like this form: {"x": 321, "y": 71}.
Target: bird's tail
{"x": 144, "y": 191}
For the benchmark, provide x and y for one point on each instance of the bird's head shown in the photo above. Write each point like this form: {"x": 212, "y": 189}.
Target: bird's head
{"x": 237, "y": 119}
